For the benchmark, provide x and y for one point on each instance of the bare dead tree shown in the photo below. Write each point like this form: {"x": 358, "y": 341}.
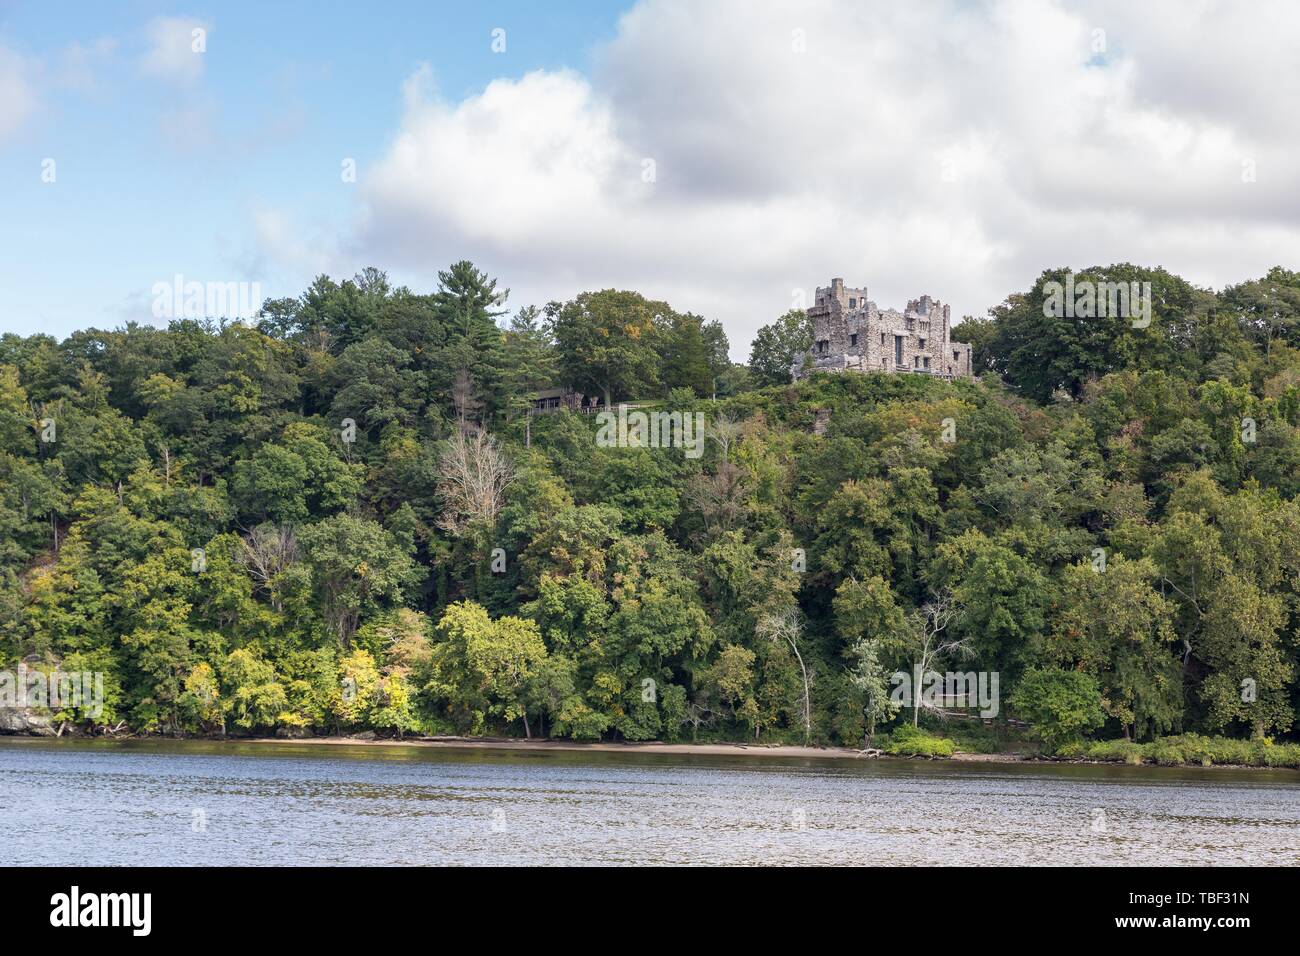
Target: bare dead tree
{"x": 265, "y": 552}
{"x": 928, "y": 643}
{"x": 720, "y": 496}
{"x": 464, "y": 395}
{"x": 473, "y": 474}
{"x": 786, "y": 625}
{"x": 726, "y": 432}
{"x": 698, "y": 714}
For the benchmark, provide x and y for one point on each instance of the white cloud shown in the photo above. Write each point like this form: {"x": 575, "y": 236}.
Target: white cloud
{"x": 80, "y": 65}
{"x": 24, "y": 78}
{"x": 283, "y": 246}
{"x": 176, "y": 48}
{"x": 17, "y": 91}
{"x": 948, "y": 149}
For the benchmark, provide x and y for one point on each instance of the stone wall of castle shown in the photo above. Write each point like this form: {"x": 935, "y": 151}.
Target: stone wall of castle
{"x": 851, "y": 334}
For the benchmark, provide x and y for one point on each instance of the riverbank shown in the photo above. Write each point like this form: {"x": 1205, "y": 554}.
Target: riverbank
{"x": 1186, "y": 752}
{"x": 785, "y": 751}
{"x": 647, "y": 747}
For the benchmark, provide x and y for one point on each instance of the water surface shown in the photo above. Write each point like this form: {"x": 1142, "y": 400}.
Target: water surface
{"x": 219, "y": 803}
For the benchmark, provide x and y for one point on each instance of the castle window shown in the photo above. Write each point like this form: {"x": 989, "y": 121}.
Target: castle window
{"x": 898, "y": 350}
{"x": 922, "y": 343}
{"x": 956, "y": 355}
{"x": 925, "y": 362}
{"x": 823, "y": 345}
{"x": 853, "y": 339}
{"x": 882, "y": 338}
{"x": 853, "y": 303}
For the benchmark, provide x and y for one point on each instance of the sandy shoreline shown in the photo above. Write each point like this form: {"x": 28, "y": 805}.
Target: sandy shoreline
{"x": 514, "y": 744}
{"x": 650, "y": 747}
{"x": 710, "y": 750}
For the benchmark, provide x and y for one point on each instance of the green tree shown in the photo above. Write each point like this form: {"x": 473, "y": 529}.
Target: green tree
{"x": 467, "y": 304}
{"x": 778, "y": 346}
{"x": 357, "y": 567}
{"x": 608, "y": 342}
{"x": 1040, "y": 352}
{"x": 686, "y": 359}
{"x": 1004, "y": 597}
{"x": 254, "y": 696}
{"x": 1115, "y": 626}
{"x": 482, "y": 668}
{"x": 1059, "y": 705}
{"x": 201, "y": 703}
{"x": 530, "y": 360}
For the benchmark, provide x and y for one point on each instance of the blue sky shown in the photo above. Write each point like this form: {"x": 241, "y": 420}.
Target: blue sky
{"x": 156, "y": 173}
{"x": 726, "y": 156}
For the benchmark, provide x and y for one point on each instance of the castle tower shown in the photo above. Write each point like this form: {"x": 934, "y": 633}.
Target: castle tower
{"x": 851, "y": 334}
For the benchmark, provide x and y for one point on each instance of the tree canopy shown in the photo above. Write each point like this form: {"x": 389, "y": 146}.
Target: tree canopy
{"x": 346, "y": 515}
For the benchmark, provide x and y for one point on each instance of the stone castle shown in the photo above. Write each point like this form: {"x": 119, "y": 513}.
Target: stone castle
{"x": 850, "y": 334}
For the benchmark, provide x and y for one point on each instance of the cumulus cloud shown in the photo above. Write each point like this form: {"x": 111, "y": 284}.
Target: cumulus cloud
{"x": 176, "y": 48}
{"x": 724, "y": 156}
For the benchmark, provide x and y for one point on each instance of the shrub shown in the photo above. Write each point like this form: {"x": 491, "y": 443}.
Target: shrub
{"x": 1118, "y": 751}
{"x": 1187, "y": 749}
{"x": 1059, "y": 705}
{"x": 908, "y": 741}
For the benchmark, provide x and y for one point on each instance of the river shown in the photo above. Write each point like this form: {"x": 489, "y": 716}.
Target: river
{"x": 221, "y": 803}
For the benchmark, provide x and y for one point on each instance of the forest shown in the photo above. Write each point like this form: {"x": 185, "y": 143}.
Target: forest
{"x": 343, "y": 517}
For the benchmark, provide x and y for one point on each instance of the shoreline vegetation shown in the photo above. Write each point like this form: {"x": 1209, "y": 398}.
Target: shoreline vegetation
{"x": 376, "y": 510}
{"x": 1182, "y": 752}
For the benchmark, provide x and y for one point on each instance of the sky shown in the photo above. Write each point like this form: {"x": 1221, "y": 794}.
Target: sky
{"x": 727, "y": 156}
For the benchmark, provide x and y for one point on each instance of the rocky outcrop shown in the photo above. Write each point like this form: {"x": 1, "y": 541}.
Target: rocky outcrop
{"x": 294, "y": 733}
{"x": 26, "y": 720}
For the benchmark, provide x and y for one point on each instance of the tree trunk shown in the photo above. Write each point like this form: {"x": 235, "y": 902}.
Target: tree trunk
{"x": 807, "y": 702}
{"x": 916, "y": 689}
